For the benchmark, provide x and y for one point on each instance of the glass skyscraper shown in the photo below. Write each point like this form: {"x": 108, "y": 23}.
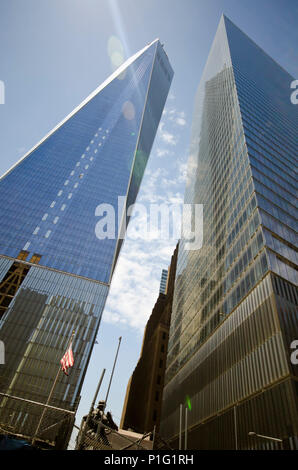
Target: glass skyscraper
{"x": 55, "y": 270}
{"x": 163, "y": 281}
{"x": 234, "y": 314}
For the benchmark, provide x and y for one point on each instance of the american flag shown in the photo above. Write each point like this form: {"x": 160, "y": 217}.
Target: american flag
{"x": 67, "y": 360}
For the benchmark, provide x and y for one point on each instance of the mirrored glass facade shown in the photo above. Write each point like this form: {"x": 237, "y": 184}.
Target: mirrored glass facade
{"x": 231, "y": 326}
{"x": 55, "y": 269}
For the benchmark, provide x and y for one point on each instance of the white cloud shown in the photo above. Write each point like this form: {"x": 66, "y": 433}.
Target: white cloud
{"x": 163, "y": 152}
{"x": 135, "y": 285}
{"x": 177, "y": 117}
{"x": 166, "y": 136}
{"x": 192, "y": 166}
{"x": 180, "y": 121}
{"x": 150, "y": 189}
{"x": 171, "y": 116}
{"x": 175, "y": 198}
{"x": 166, "y": 182}
{"x": 182, "y": 172}
{"x": 169, "y": 138}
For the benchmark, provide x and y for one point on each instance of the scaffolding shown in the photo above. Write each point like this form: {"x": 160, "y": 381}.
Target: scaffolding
{"x": 13, "y": 279}
{"x": 20, "y": 418}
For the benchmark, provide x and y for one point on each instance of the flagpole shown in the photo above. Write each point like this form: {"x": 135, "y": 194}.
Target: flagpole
{"x": 51, "y": 393}
{"x": 105, "y": 404}
{"x": 84, "y": 429}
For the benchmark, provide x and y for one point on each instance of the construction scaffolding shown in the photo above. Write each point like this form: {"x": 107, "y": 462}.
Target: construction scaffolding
{"x": 20, "y": 418}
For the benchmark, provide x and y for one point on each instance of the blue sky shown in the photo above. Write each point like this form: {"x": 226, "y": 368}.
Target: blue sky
{"x": 55, "y": 52}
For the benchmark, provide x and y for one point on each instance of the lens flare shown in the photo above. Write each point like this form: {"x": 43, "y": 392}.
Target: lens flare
{"x": 128, "y": 110}
{"x": 188, "y": 402}
{"x": 116, "y": 59}
{"x": 116, "y": 53}
{"x": 115, "y": 45}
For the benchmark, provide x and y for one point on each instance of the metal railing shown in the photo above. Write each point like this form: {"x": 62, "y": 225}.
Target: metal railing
{"x": 106, "y": 438}
{"x": 20, "y": 417}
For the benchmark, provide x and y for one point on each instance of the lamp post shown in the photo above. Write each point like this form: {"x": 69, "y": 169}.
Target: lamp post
{"x": 180, "y": 426}
{"x": 185, "y": 430}
{"x": 268, "y": 438}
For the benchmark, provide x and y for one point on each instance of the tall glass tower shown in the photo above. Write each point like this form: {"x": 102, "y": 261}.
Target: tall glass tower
{"x": 55, "y": 270}
{"x": 235, "y": 304}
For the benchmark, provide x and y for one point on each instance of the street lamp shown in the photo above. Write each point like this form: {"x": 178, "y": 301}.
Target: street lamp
{"x": 268, "y": 438}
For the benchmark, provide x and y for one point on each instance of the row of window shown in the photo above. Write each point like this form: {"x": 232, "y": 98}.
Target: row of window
{"x": 262, "y": 110}
{"x": 230, "y": 170}
{"x": 242, "y": 219}
{"x": 241, "y": 242}
{"x": 276, "y": 212}
{"x": 275, "y": 198}
{"x": 255, "y": 273}
{"x": 209, "y": 288}
{"x": 262, "y": 152}
{"x": 209, "y": 237}
{"x": 275, "y": 185}
{"x": 221, "y": 288}
{"x": 281, "y": 246}
{"x": 277, "y": 130}
{"x": 245, "y": 259}
{"x": 250, "y": 125}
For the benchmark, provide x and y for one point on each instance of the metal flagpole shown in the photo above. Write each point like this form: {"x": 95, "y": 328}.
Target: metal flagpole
{"x": 50, "y": 394}
{"x": 105, "y": 403}
{"x": 81, "y": 439}
{"x": 100, "y": 424}
{"x": 153, "y": 437}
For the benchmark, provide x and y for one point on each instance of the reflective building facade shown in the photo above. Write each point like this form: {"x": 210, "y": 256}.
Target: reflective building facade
{"x": 163, "y": 281}
{"x": 235, "y": 303}
{"x": 56, "y": 264}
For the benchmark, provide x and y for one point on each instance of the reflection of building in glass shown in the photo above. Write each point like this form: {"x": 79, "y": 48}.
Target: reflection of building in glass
{"x": 142, "y": 406}
{"x": 54, "y": 270}
{"x": 234, "y": 308}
